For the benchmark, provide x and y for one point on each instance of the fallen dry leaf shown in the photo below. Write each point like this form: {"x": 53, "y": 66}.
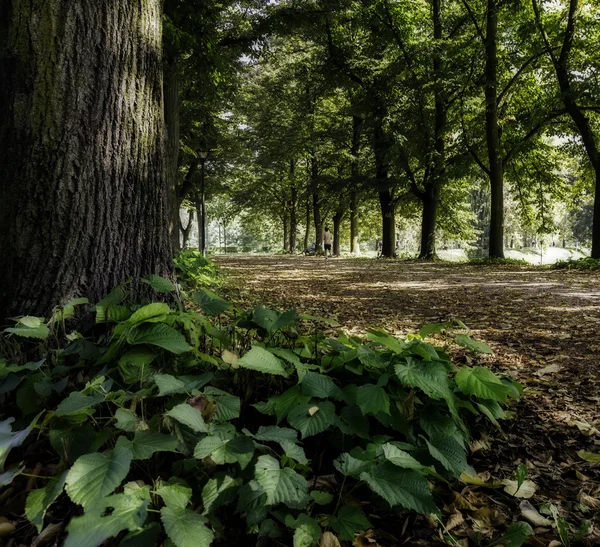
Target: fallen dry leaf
{"x": 531, "y": 514}
{"x": 526, "y": 490}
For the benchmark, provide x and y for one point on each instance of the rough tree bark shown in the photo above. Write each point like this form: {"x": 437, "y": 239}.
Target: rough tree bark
{"x": 316, "y": 199}
{"x": 354, "y": 236}
{"x": 492, "y": 131}
{"x": 171, "y": 93}
{"x": 187, "y": 230}
{"x": 293, "y": 208}
{"x": 82, "y": 186}
{"x": 286, "y": 227}
{"x": 307, "y": 230}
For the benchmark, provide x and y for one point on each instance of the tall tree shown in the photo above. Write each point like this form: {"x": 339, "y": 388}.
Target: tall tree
{"x": 82, "y": 191}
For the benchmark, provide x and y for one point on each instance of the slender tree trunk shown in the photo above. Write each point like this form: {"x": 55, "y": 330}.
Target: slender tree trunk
{"x": 171, "y": 93}
{"x": 83, "y": 193}
{"x": 293, "y": 209}
{"x": 316, "y": 198}
{"x": 381, "y": 147}
{"x": 354, "y": 236}
{"x": 337, "y": 223}
{"x": 307, "y": 231}
{"x": 428, "y": 222}
{"x": 492, "y": 130}
{"x": 185, "y": 231}
{"x": 199, "y": 220}
{"x": 286, "y": 235}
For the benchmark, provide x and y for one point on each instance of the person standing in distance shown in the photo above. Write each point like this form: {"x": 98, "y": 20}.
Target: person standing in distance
{"x": 327, "y": 240}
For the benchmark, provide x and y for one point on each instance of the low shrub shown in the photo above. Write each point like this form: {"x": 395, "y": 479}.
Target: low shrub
{"x": 194, "y": 270}
{"x": 204, "y": 424}
{"x": 579, "y": 264}
{"x": 498, "y": 262}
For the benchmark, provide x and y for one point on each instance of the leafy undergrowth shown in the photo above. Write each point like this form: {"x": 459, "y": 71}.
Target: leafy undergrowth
{"x": 198, "y": 424}
{"x": 498, "y": 262}
{"x": 580, "y": 264}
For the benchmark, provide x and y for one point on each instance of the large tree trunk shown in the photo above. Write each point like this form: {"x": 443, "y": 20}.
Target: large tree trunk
{"x": 492, "y": 131}
{"x": 381, "y": 147}
{"x": 286, "y": 227}
{"x": 432, "y": 186}
{"x": 316, "y": 198}
{"x": 337, "y": 223}
{"x": 171, "y": 91}
{"x": 354, "y": 237}
{"x": 186, "y": 230}
{"x": 82, "y": 187}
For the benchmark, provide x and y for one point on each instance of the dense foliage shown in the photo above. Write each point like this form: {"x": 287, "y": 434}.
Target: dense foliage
{"x": 206, "y": 423}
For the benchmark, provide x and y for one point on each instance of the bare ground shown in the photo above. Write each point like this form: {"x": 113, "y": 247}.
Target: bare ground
{"x": 543, "y": 325}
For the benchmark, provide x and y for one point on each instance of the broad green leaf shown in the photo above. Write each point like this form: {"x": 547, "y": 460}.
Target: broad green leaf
{"x": 400, "y": 458}
{"x": 482, "y": 383}
{"x": 127, "y": 420}
{"x": 146, "y": 443}
{"x": 294, "y": 451}
{"x": 92, "y": 529}
{"x": 318, "y": 385}
{"x": 8, "y": 476}
{"x": 77, "y": 402}
{"x": 349, "y": 465}
{"x": 31, "y": 322}
{"x": 167, "y": 384}
{"x": 219, "y": 491}
{"x": 321, "y": 498}
{"x": 401, "y": 487}
{"x": 224, "y": 447}
{"x": 158, "y": 283}
{"x": 276, "y": 434}
{"x": 134, "y": 364}
{"x": 349, "y": 522}
{"x": 142, "y": 538}
{"x": 10, "y": 439}
{"x": 156, "y": 309}
{"x": 385, "y": 339}
{"x": 307, "y": 533}
{"x": 516, "y": 534}
{"x": 286, "y": 319}
{"x": 160, "y": 335}
{"x": 190, "y": 416}
{"x": 210, "y": 303}
{"x": 261, "y": 360}
{"x": 40, "y": 332}
{"x": 186, "y": 528}
{"x": 292, "y": 398}
{"x": 450, "y": 453}
{"x": 281, "y": 485}
{"x": 372, "y": 399}
{"x": 313, "y": 417}
{"x": 38, "y": 501}
{"x": 473, "y": 345}
{"x": 228, "y": 408}
{"x": 433, "y": 328}
{"x": 176, "y": 496}
{"x": 266, "y": 318}
{"x": 94, "y": 476}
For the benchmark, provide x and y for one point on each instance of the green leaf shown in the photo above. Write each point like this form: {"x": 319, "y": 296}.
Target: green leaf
{"x": 129, "y": 511}
{"x": 482, "y": 383}
{"x": 150, "y": 311}
{"x": 591, "y": 457}
{"x": 266, "y": 318}
{"x": 318, "y": 385}
{"x": 225, "y": 447}
{"x": 401, "y": 487}
{"x": 210, "y": 303}
{"x": 400, "y": 458}
{"x": 10, "y": 439}
{"x": 146, "y": 443}
{"x": 473, "y": 345}
{"x": 186, "y": 528}
{"x": 281, "y": 485}
{"x": 190, "y": 416}
{"x": 321, "y": 498}
{"x": 372, "y": 399}
{"x": 261, "y": 360}
{"x": 447, "y": 450}
{"x": 94, "y": 476}
{"x": 349, "y": 465}
{"x": 385, "y": 339}
{"x": 158, "y": 283}
{"x": 40, "y": 332}
{"x": 276, "y": 434}
{"x": 31, "y": 322}
{"x": 516, "y": 534}
{"x": 313, "y": 417}
{"x": 77, "y": 402}
{"x": 127, "y": 420}
{"x": 176, "y": 496}
{"x": 142, "y": 538}
{"x": 160, "y": 335}
{"x": 308, "y": 532}
{"x": 167, "y": 384}
{"x": 134, "y": 364}
{"x": 289, "y": 399}
{"x": 219, "y": 491}
{"x": 38, "y": 501}
{"x": 228, "y": 408}
{"x": 349, "y": 522}
{"x": 433, "y": 328}
{"x": 8, "y": 476}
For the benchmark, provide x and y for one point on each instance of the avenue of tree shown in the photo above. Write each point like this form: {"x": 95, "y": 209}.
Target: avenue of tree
{"x": 314, "y": 111}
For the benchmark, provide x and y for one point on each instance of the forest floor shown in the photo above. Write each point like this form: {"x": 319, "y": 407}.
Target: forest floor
{"x": 544, "y": 327}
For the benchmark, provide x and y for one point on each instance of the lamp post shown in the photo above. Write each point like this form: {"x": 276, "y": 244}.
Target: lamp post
{"x": 203, "y": 155}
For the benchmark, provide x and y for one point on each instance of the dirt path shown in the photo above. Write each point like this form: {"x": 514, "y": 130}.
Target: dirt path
{"x": 533, "y": 319}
